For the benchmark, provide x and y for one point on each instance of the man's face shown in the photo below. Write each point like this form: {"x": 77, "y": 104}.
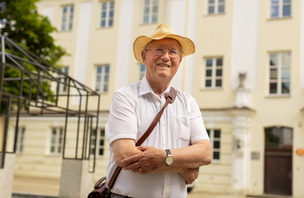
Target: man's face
{"x": 161, "y": 68}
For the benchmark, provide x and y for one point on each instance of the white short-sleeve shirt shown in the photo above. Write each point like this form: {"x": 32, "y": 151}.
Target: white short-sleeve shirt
{"x": 132, "y": 111}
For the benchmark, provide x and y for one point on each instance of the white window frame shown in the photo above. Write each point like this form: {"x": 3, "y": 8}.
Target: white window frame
{"x": 62, "y": 86}
{"x": 107, "y": 17}
{"x": 68, "y": 21}
{"x": 216, "y": 5}
{"x": 57, "y": 143}
{"x": 151, "y": 14}
{"x": 103, "y": 75}
{"x": 20, "y": 140}
{"x": 212, "y": 140}
{"x": 141, "y": 73}
{"x": 98, "y": 146}
{"x": 281, "y": 5}
{"x": 213, "y": 77}
{"x": 279, "y": 79}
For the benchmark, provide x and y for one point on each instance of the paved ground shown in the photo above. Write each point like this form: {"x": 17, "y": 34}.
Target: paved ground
{"x": 206, "y": 195}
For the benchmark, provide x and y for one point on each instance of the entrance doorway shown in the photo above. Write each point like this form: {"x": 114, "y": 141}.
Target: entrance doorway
{"x": 278, "y": 161}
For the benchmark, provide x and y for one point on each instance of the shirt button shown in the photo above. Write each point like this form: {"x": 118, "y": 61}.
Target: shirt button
{"x": 166, "y": 187}
{"x": 165, "y": 144}
{"x": 164, "y": 124}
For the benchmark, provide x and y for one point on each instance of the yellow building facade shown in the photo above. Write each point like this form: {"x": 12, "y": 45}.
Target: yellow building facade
{"x": 247, "y": 75}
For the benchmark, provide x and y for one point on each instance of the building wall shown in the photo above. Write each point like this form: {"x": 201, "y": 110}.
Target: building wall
{"x": 243, "y": 36}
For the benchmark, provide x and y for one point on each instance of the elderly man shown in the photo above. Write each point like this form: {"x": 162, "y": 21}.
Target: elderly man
{"x": 172, "y": 154}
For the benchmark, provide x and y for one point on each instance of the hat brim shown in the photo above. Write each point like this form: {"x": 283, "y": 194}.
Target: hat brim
{"x": 141, "y": 42}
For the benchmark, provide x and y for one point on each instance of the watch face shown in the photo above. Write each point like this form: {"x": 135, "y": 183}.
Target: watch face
{"x": 169, "y": 160}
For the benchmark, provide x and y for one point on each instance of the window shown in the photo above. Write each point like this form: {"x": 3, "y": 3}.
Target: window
{"x": 142, "y": 71}
{"x": 20, "y": 140}
{"x": 102, "y": 78}
{"x": 280, "y": 8}
{"x": 150, "y": 11}
{"x": 107, "y": 14}
{"x": 63, "y": 87}
{"x": 214, "y": 72}
{"x": 100, "y": 142}
{"x": 216, "y": 6}
{"x": 278, "y": 138}
{"x": 215, "y": 140}
{"x": 279, "y": 73}
{"x": 56, "y": 140}
{"x": 67, "y": 18}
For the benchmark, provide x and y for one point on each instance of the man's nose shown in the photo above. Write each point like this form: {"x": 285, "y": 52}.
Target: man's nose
{"x": 165, "y": 55}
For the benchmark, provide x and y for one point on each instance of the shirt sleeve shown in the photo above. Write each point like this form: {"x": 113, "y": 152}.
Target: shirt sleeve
{"x": 197, "y": 127}
{"x": 122, "y": 121}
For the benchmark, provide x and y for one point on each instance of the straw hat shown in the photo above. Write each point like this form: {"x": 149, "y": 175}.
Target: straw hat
{"x": 162, "y": 31}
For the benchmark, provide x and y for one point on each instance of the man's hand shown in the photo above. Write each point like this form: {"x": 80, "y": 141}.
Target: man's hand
{"x": 189, "y": 175}
{"x": 149, "y": 160}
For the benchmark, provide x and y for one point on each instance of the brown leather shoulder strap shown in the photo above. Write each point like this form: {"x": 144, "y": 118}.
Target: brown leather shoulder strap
{"x": 170, "y": 97}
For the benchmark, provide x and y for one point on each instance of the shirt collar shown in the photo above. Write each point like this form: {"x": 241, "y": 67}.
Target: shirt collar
{"x": 146, "y": 88}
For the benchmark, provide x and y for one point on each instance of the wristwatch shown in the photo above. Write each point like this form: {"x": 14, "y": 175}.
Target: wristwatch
{"x": 169, "y": 159}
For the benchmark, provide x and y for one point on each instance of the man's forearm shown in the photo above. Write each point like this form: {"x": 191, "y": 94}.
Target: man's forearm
{"x": 194, "y": 156}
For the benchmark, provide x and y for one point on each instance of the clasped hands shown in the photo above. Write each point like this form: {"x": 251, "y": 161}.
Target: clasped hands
{"x": 152, "y": 160}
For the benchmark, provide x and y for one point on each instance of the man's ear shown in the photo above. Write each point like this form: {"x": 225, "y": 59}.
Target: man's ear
{"x": 143, "y": 55}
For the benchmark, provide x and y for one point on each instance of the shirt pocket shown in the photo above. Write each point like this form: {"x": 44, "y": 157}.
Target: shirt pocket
{"x": 182, "y": 128}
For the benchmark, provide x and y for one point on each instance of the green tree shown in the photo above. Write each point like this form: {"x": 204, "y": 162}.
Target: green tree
{"x": 22, "y": 24}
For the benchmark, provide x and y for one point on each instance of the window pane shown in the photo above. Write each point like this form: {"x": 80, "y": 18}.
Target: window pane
{"x": 221, "y": 1}
{"x": 285, "y": 59}
{"x": 101, "y": 142}
{"x": 107, "y": 69}
{"x": 208, "y": 62}
{"x": 154, "y": 18}
{"x": 216, "y": 155}
{"x": 208, "y": 83}
{"x": 274, "y": 11}
{"x": 100, "y": 151}
{"x": 97, "y": 87}
{"x": 103, "y": 24}
{"x": 52, "y": 149}
{"x": 111, "y": 14}
{"x": 219, "y": 62}
{"x": 216, "y": 144}
{"x": 218, "y": 83}
{"x": 219, "y": 72}
{"x": 285, "y": 87}
{"x": 211, "y": 10}
{"x": 286, "y": 73}
{"x": 217, "y": 133}
{"x": 106, "y": 79}
{"x": 208, "y": 72}
{"x": 286, "y": 10}
{"x": 99, "y": 69}
{"x": 208, "y": 131}
{"x": 273, "y": 59}
{"x": 273, "y": 88}
{"x": 221, "y": 8}
{"x": 98, "y": 79}
{"x": 211, "y": 1}
{"x": 273, "y": 73}
{"x": 110, "y": 23}
{"x": 286, "y": 1}
{"x": 278, "y": 138}
{"x": 105, "y": 88}
{"x": 102, "y": 133}
{"x": 274, "y": 1}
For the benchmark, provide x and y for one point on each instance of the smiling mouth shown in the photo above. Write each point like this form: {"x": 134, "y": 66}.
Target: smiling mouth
{"x": 163, "y": 65}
